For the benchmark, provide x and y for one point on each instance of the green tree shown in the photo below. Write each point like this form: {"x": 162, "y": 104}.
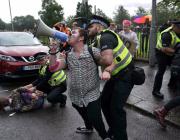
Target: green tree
{"x": 167, "y": 10}
{"x": 99, "y": 12}
{"x": 69, "y": 21}
{"x": 2, "y": 25}
{"x": 120, "y": 14}
{"x": 84, "y": 9}
{"x": 24, "y": 22}
{"x": 51, "y": 12}
{"x": 141, "y": 11}
{"x": 173, "y": 4}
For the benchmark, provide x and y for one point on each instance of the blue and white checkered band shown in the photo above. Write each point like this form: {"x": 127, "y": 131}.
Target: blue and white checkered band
{"x": 98, "y": 21}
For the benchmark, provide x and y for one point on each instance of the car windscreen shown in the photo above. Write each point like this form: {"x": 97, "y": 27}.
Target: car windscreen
{"x": 17, "y": 39}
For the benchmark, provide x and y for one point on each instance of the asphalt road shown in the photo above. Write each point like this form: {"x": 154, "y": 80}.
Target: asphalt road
{"x": 60, "y": 124}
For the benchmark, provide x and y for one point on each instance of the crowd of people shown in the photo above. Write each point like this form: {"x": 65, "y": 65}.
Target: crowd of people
{"x": 74, "y": 68}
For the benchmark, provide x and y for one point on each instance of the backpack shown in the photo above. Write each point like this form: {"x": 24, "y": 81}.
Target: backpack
{"x": 138, "y": 76}
{"x": 92, "y": 54}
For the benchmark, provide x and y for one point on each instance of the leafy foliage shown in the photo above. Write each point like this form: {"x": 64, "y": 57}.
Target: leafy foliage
{"x": 168, "y": 10}
{"x": 120, "y": 14}
{"x": 24, "y": 22}
{"x": 84, "y": 9}
{"x": 141, "y": 11}
{"x": 51, "y": 12}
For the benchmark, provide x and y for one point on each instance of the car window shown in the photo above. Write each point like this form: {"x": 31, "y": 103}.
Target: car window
{"x": 17, "y": 39}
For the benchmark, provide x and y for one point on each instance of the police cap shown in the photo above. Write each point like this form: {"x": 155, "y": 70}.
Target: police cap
{"x": 176, "y": 23}
{"x": 100, "y": 20}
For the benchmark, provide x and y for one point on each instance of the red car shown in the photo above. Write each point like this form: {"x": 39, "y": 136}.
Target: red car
{"x": 19, "y": 53}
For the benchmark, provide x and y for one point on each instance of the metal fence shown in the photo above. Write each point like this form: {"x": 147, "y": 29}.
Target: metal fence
{"x": 143, "y": 50}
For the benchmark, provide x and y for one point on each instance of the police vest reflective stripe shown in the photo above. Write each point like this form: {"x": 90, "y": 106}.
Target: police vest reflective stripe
{"x": 42, "y": 70}
{"x": 175, "y": 39}
{"x": 121, "y": 55}
{"x": 56, "y": 79}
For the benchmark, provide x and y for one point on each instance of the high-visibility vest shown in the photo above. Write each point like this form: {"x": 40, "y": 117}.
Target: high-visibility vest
{"x": 174, "y": 41}
{"x": 121, "y": 55}
{"x": 56, "y": 78}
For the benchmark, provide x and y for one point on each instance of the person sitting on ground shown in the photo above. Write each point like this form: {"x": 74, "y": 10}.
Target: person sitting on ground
{"x": 23, "y": 100}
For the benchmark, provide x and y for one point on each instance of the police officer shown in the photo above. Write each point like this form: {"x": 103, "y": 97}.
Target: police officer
{"x": 175, "y": 67}
{"x": 54, "y": 84}
{"x": 51, "y": 83}
{"x": 162, "y": 112}
{"x": 168, "y": 39}
{"x": 118, "y": 64}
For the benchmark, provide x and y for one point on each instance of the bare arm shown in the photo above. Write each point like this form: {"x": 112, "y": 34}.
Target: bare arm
{"x": 108, "y": 42}
{"x": 106, "y": 74}
{"x": 167, "y": 50}
{"x": 106, "y": 58}
{"x": 55, "y": 63}
{"x": 28, "y": 86}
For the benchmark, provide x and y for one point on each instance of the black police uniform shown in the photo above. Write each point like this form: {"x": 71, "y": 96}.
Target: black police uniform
{"x": 116, "y": 90}
{"x": 54, "y": 94}
{"x": 163, "y": 61}
{"x": 175, "y": 68}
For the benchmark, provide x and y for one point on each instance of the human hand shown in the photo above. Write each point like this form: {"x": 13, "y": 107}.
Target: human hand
{"x": 168, "y": 51}
{"x": 39, "y": 93}
{"x": 105, "y": 75}
{"x": 63, "y": 55}
{"x": 32, "y": 89}
{"x": 34, "y": 96}
{"x": 53, "y": 48}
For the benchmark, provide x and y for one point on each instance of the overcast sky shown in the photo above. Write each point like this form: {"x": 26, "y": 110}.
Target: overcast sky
{"x": 31, "y": 7}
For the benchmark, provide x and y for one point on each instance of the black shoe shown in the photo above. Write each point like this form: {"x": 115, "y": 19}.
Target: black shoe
{"x": 172, "y": 86}
{"x": 63, "y": 104}
{"x": 158, "y": 94}
{"x": 110, "y": 134}
{"x": 53, "y": 105}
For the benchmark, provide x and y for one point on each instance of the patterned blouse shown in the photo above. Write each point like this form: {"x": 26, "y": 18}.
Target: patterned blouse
{"x": 83, "y": 77}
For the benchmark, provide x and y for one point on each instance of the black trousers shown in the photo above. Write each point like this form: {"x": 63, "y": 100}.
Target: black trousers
{"x": 163, "y": 61}
{"x": 92, "y": 117}
{"x": 172, "y": 103}
{"x": 114, "y": 96}
{"x": 55, "y": 94}
{"x": 175, "y": 74}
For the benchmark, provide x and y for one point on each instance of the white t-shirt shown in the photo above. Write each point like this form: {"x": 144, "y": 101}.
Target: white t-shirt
{"x": 131, "y": 36}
